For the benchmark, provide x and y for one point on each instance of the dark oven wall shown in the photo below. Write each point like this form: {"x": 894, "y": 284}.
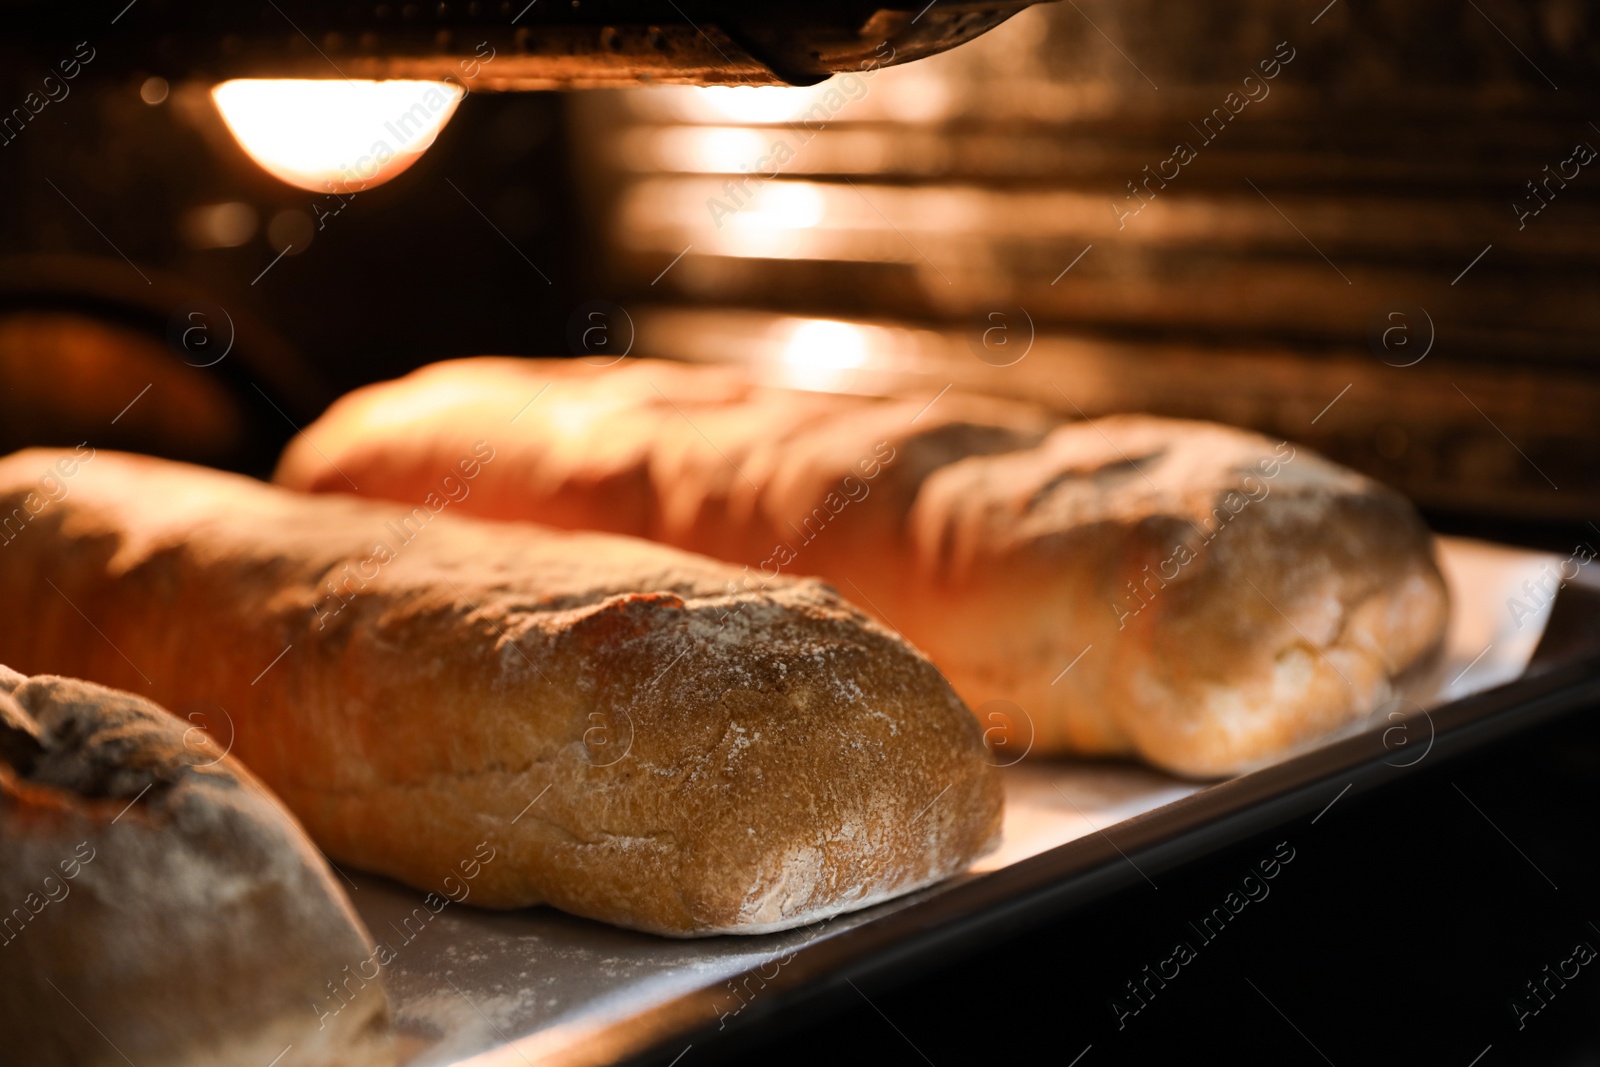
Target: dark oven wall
{"x": 143, "y": 300}
{"x": 1367, "y": 226}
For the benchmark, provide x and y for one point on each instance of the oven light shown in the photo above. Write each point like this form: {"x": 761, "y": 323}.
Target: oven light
{"x": 335, "y": 135}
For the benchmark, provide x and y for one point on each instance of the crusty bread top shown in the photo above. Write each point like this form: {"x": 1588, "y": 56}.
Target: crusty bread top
{"x": 1244, "y": 598}
{"x": 1002, "y": 541}
{"x": 167, "y": 895}
{"x": 783, "y": 752}
{"x": 695, "y": 456}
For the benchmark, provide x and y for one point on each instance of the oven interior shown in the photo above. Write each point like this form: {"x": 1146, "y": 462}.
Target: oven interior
{"x": 1357, "y": 233}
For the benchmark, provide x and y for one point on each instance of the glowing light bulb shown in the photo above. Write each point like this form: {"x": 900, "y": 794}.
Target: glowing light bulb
{"x": 335, "y": 136}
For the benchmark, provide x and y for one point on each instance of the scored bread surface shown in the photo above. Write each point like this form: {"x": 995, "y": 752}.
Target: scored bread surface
{"x": 635, "y": 735}
{"x": 1201, "y": 597}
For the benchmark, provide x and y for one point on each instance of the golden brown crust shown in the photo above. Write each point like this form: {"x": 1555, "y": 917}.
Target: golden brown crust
{"x": 155, "y": 886}
{"x": 1002, "y": 543}
{"x": 633, "y": 736}
{"x": 1238, "y": 598}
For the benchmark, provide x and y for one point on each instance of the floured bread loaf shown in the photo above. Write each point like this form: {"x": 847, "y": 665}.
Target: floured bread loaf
{"x": 1201, "y": 597}
{"x": 160, "y": 907}
{"x": 610, "y": 726}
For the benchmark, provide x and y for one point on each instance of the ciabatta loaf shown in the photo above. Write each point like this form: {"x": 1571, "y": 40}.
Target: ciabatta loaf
{"x": 1201, "y": 597}
{"x": 160, "y": 907}
{"x": 627, "y": 731}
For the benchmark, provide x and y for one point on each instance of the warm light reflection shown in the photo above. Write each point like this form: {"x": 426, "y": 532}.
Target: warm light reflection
{"x": 923, "y": 97}
{"x": 721, "y": 150}
{"x": 774, "y": 223}
{"x": 226, "y": 225}
{"x": 419, "y": 404}
{"x": 753, "y": 103}
{"x": 335, "y": 136}
{"x": 727, "y": 150}
{"x": 822, "y": 354}
{"x": 783, "y": 206}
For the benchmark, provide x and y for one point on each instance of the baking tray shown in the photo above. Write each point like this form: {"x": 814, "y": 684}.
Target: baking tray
{"x": 497, "y": 989}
